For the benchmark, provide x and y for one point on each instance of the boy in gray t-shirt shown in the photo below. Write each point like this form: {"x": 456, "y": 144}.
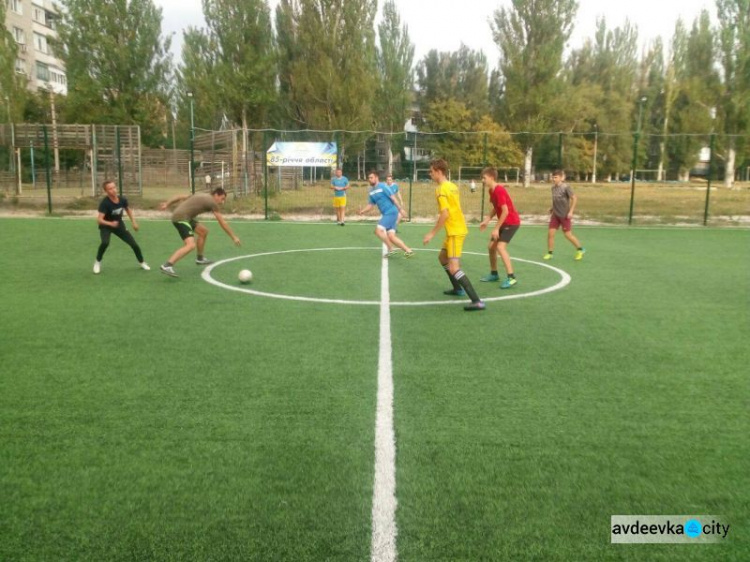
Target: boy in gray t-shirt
{"x": 561, "y": 215}
{"x": 183, "y": 219}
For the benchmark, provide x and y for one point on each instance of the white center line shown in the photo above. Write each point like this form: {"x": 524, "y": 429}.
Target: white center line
{"x": 383, "y": 547}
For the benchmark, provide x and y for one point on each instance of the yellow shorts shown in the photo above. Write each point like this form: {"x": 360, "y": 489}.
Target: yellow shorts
{"x": 453, "y": 245}
{"x": 339, "y": 202}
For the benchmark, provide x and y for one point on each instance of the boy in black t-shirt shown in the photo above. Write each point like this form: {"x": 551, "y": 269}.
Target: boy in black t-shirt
{"x": 110, "y": 222}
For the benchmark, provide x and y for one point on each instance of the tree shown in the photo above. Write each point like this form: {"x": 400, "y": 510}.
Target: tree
{"x": 12, "y": 86}
{"x": 461, "y": 76}
{"x": 242, "y": 59}
{"x": 734, "y": 58}
{"x": 230, "y": 69}
{"x": 451, "y": 119}
{"x": 328, "y": 68}
{"x": 197, "y": 76}
{"x": 501, "y": 151}
{"x": 601, "y": 78}
{"x": 395, "y": 61}
{"x": 692, "y": 89}
{"x": 532, "y": 36}
{"x": 464, "y": 141}
{"x": 117, "y": 63}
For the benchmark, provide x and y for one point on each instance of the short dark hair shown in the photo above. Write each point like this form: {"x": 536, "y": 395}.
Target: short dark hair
{"x": 375, "y": 172}
{"x": 105, "y": 183}
{"x": 558, "y": 172}
{"x": 218, "y": 191}
{"x": 490, "y": 171}
{"x": 440, "y": 165}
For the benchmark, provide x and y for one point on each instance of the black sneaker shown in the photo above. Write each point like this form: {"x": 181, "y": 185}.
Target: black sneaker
{"x": 479, "y": 305}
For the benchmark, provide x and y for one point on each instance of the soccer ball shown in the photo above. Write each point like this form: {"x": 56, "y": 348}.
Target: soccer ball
{"x": 245, "y": 276}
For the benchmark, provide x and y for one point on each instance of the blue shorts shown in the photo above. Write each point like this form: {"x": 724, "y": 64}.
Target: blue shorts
{"x": 389, "y": 221}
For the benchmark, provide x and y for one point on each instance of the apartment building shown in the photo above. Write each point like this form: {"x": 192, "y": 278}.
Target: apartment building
{"x": 32, "y": 24}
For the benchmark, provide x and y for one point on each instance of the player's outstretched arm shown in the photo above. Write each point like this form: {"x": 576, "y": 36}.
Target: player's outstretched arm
{"x": 485, "y": 223}
{"x": 226, "y": 228}
{"x": 365, "y": 209}
{"x": 399, "y": 206}
{"x": 132, "y": 219}
{"x": 176, "y": 199}
{"x": 442, "y": 219}
{"x": 573, "y": 201}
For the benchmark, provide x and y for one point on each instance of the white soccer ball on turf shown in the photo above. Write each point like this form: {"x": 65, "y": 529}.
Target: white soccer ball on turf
{"x": 245, "y": 276}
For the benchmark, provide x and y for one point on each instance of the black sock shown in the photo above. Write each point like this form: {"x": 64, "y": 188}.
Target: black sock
{"x": 580, "y": 249}
{"x": 455, "y": 284}
{"x": 168, "y": 264}
{"x": 512, "y": 275}
{"x": 199, "y": 257}
{"x": 493, "y": 272}
{"x": 549, "y": 251}
{"x": 466, "y": 284}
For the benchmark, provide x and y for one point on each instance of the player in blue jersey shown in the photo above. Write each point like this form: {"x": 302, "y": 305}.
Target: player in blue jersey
{"x": 380, "y": 196}
{"x": 339, "y": 185}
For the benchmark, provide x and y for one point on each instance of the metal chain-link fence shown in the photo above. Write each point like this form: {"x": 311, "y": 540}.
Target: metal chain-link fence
{"x": 619, "y": 177}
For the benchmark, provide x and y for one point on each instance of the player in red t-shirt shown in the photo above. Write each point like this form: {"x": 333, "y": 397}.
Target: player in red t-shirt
{"x": 508, "y": 222}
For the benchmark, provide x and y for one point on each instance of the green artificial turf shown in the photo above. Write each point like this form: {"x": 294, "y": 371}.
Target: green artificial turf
{"x": 150, "y": 418}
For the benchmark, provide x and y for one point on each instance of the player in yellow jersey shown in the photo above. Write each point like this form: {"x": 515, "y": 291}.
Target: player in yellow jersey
{"x": 452, "y": 219}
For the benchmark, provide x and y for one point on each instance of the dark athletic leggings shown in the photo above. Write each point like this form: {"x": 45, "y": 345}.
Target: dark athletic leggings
{"x": 123, "y": 234}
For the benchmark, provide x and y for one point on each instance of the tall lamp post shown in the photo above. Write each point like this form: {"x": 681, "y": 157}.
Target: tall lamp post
{"x": 636, "y": 137}
{"x": 192, "y": 144}
{"x": 596, "y": 141}
{"x": 640, "y": 112}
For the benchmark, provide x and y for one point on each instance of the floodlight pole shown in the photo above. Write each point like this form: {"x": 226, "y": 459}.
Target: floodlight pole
{"x": 192, "y": 143}
{"x": 636, "y": 137}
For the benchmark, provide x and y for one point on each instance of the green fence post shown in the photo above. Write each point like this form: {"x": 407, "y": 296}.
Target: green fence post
{"x": 47, "y": 170}
{"x": 710, "y": 177}
{"x": 632, "y": 175}
{"x": 33, "y": 166}
{"x": 414, "y": 157}
{"x": 119, "y": 158}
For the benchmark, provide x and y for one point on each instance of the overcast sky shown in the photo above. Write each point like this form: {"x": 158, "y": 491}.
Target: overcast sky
{"x": 445, "y": 24}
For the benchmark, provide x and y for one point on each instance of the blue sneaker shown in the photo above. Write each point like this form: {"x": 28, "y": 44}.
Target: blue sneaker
{"x": 490, "y": 277}
{"x": 508, "y": 282}
{"x": 455, "y": 293}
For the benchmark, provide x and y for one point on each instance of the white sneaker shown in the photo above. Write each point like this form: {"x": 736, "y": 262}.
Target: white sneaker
{"x": 144, "y": 266}
{"x": 97, "y": 267}
{"x": 168, "y": 270}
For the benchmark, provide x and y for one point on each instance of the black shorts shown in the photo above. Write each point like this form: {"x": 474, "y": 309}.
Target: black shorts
{"x": 186, "y": 228}
{"x": 507, "y": 232}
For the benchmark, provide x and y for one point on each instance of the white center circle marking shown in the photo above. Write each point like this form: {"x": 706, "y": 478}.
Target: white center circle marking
{"x": 564, "y": 281}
